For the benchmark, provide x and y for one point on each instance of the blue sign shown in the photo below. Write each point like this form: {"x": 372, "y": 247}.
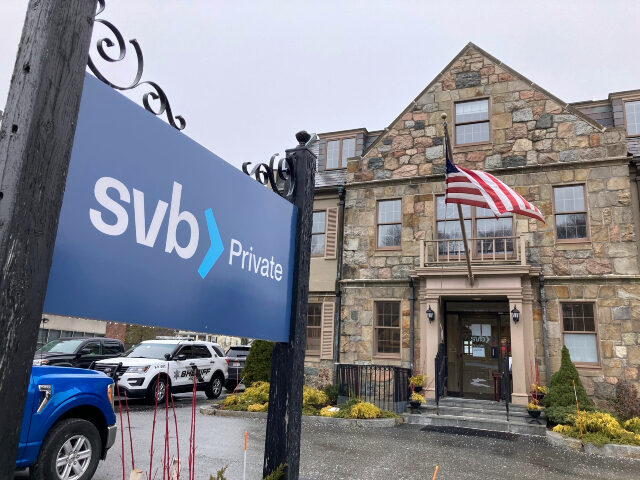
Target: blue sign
{"x": 156, "y": 230}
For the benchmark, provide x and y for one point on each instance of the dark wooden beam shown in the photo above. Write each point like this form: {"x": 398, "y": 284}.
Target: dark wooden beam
{"x": 35, "y": 146}
{"x": 284, "y": 420}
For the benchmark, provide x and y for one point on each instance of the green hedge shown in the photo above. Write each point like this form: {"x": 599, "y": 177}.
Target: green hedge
{"x": 258, "y": 365}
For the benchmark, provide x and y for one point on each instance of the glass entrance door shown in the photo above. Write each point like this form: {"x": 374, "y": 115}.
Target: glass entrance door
{"x": 481, "y": 338}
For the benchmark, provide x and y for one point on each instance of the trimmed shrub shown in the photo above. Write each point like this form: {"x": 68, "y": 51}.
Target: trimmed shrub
{"x": 324, "y": 412}
{"x": 559, "y": 415}
{"x": 258, "y": 365}
{"x": 332, "y": 391}
{"x": 258, "y": 407}
{"x": 561, "y": 393}
{"x": 633, "y": 425}
{"x": 365, "y": 410}
{"x": 625, "y": 404}
{"x": 258, "y": 394}
{"x": 313, "y": 397}
{"x": 598, "y": 428}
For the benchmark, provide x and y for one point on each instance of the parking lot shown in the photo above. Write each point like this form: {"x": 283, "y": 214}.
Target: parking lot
{"x": 356, "y": 453}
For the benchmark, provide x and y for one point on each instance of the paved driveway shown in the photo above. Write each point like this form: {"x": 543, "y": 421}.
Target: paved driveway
{"x": 403, "y": 452}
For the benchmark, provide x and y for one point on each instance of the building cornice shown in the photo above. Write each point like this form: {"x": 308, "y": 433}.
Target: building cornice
{"x": 497, "y": 171}
{"x": 606, "y": 279}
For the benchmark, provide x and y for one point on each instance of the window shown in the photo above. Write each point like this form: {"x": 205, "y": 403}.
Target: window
{"x": 187, "y": 352}
{"x": 389, "y": 223}
{"x": 493, "y": 235}
{"x": 472, "y": 122}
{"x": 580, "y": 338}
{"x": 314, "y": 328}
{"x": 318, "y": 233}
{"x": 338, "y": 151}
{"x": 570, "y": 213}
{"x": 111, "y": 349}
{"x": 218, "y": 351}
{"x": 387, "y": 328}
{"x": 200, "y": 351}
{"x": 632, "y": 117}
{"x": 93, "y": 347}
{"x": 42, "y": 336}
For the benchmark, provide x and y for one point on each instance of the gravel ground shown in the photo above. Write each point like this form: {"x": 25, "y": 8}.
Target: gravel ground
{"x": 332, "y": 452}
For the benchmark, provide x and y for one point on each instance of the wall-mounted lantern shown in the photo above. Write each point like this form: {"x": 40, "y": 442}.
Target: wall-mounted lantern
{"x": 515, "y": 314}
{"x": 431, "y": 315}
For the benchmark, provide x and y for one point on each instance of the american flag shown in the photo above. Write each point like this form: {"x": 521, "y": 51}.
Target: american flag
{"x": 481, "y": 189}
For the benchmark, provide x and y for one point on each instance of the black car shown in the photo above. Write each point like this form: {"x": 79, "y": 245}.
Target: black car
{"x": 77, "y": 352}
{"x": 236, "y": 358}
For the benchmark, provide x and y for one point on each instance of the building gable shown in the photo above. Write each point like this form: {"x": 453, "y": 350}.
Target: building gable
{"x": 528, "y": 126}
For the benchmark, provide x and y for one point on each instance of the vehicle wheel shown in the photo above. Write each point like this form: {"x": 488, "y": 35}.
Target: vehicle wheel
{"x": 214, "y": 389}
{"x": 159, "y": 387}
{"x": 70, "y": 451}
{"x": 231, "y": 385}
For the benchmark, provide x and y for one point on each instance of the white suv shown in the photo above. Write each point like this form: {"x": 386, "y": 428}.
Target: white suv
{"x": 153, "y": 366}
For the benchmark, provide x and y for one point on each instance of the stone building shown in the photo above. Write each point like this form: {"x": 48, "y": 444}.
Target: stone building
{"x": 332, "y": 149}
{"x": 401, "y": 243}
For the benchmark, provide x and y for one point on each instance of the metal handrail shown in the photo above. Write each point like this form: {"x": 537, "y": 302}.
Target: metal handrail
{"x": 441, "y": 373}
{"x": 483, "y": 249}
{"x": 505, "y": 387}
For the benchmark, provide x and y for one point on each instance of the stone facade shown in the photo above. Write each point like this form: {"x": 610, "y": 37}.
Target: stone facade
{"x": 536, "y": 142}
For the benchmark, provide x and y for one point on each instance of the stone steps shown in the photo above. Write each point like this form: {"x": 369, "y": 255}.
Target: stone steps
{"x": 473, "y": 403}
{"x": 475, "y": 412}
{"x": 476, "y": 417}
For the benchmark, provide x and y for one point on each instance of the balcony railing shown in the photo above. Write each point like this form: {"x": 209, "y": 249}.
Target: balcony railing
{"x": 508, "y": 250}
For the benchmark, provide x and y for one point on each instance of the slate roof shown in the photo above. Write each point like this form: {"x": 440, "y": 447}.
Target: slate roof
{"x": 633, "y": 146}
{"x": 331, "y": 178}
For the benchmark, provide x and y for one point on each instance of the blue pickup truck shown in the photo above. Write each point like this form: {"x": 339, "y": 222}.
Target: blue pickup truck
{"x": 68, "y": 423}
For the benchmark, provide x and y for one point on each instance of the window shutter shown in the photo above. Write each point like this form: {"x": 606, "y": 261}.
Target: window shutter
{"x": 331, "y": 242}
{"x": 326, "y": 336}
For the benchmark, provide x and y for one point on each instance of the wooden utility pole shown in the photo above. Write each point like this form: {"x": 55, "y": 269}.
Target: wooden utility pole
{"x": 35, "y": 146}
{"x": 282, "y": 443}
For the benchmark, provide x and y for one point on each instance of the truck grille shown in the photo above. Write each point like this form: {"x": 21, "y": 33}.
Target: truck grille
{"x": 110, "y": 368}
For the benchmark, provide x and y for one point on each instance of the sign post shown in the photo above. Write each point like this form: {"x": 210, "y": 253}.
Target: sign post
{"x": 284, "y": 419}
{"x": 35, "y": 146}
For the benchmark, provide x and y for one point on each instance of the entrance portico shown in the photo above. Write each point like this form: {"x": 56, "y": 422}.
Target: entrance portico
{"x": 486, "y": 329}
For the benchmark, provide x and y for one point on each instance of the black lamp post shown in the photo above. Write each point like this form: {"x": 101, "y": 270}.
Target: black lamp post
{"x": 431, "y": 315}
{"x": 515, "y": 314}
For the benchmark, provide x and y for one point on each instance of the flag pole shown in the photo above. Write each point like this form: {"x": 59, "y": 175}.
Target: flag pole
{"x": 460, "y": 216}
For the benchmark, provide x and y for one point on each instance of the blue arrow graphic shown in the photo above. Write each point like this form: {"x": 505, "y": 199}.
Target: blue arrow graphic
{"x": 216, "y": 248}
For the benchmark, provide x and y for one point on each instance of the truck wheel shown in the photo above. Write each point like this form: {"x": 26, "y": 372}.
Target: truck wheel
{"x": 70, "y": 451}
{"x": 160, "y": 386}
{"x": 214, "y": 388}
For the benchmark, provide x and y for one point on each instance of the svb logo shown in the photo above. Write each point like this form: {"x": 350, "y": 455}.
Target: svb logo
{"x": 147, "y": 235}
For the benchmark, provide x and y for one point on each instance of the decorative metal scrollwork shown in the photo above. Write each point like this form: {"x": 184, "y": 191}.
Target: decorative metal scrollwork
{"x": 156, "y": 95}
{"x": 282, "y": 179}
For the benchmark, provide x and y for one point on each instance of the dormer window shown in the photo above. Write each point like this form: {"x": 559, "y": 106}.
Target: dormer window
{"x": 338, "y": 151}
{"x": 632, "y": 117}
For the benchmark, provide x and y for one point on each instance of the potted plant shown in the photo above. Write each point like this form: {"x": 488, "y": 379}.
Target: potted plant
{"x": 534, "y": 410}
{"x": 538, "y": 392}
{"x": 417, "y": 382}
{"x": 415, "y": 401}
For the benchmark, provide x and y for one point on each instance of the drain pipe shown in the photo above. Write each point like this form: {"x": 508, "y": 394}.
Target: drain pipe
{"x": 411, "y": 321}
{"x": 338, "y": 290}
{"x": 545, "y": 335}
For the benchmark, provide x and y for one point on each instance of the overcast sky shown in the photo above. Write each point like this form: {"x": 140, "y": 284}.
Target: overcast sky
{"x": 248, "y": 75}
